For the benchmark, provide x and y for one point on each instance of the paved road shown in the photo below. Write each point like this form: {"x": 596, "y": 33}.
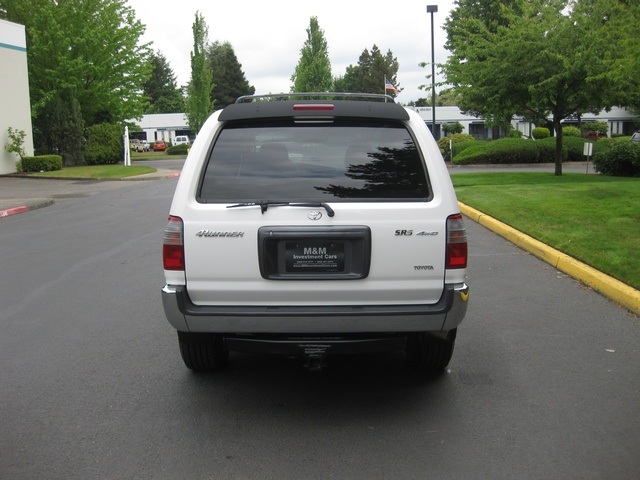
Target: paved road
{"x": 544, "y": 383}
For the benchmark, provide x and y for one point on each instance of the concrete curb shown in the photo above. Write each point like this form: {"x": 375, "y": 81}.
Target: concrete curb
{"x": 159, "y": 174}
{"x": 32, "y": 205}
{"x": 611, "y": 288}
{"x": 13, "y": 211}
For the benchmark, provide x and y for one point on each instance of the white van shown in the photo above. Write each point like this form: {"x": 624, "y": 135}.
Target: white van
{"x": 182, "y": 139}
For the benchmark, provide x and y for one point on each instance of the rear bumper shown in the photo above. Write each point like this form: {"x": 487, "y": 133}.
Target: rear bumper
{"x": 444, "y": 315}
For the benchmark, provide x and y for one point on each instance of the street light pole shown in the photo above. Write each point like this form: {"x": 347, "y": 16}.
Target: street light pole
{"x": 433, "y": 9}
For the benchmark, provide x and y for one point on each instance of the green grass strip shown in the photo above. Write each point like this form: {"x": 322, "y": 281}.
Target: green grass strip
{"x": 593, "y": 218}
{"x": 98, "y": 172}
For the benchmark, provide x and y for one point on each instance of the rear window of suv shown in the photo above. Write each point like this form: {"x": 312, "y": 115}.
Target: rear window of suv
{"x": 311, "y": 161}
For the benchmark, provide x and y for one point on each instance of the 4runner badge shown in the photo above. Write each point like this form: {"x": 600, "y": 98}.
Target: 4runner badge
{"x": 209, "y": 233}
{"x": 314, "y": 215}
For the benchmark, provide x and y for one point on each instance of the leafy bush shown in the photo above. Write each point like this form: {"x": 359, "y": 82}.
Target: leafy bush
{"x": 472, "y": 155}
{"x": 451, "y": 128}
{"x": 540, "y": 132}
{"x": 105, "y": 144}
{"x": 622, "y": 159}
{"x": 39, "y": 163}
{"x": 596, "y": 126}
{"x": 571, "y": 131}
{"x": 181, "y": 149}
{"x": 16, "y": 145}
{"x": 456, "y": 138}
{"x": 462, "y": 146}
{"x": 506, "y": 151}
{"x": 515, "y": 133}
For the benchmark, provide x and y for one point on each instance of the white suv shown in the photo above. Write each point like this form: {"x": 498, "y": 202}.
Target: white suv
{"x": 313, "y": 228}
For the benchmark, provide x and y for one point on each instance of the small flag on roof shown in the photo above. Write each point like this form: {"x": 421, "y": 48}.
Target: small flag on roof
{"x": 389, "y": 86}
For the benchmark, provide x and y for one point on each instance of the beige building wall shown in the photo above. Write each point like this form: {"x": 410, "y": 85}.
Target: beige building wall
{"x": 15, "y": 107}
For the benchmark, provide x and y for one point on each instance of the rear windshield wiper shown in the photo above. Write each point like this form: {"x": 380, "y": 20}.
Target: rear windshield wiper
{"x": 265, "y": 204}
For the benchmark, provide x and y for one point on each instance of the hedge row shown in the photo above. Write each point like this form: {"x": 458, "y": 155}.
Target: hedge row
{"x": 181, "y": 149}
{"x": 574, "y": 146}
{"x": 39, "y": 163}
{"x": 507, "y": 150}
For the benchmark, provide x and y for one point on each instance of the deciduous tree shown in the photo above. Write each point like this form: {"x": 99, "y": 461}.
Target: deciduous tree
{"x": 88, "y": 50}
{"x": 536, "y": 58}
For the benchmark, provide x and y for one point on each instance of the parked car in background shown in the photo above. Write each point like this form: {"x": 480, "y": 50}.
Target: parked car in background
{"x": 635, "y": 138}
{"x": 594, "y": 135}
{"x": 182, "y": 140}
{"x": 159, "y": 146}
{"x": 144, "y": 146}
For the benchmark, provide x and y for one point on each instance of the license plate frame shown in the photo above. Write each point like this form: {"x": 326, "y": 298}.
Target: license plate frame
{"x": 295, "y": 253}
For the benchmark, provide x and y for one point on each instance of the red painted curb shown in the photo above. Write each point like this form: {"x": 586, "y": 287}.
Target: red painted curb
{"x": 173, "y": 175}
{"x": 13, "y": 211}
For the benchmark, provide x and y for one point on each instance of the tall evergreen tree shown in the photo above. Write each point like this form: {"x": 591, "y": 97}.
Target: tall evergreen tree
{"x": 313, "y": 72}
{"x": 160, "y": 88}
{"x": 198, "y": 106}
{"x": 369, "y": 74}
{"x": 228, "y": 77}
{"x": 59, "y": 128}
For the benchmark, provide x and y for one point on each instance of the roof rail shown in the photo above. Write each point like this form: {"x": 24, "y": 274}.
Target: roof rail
{"x": 315, "y": 95}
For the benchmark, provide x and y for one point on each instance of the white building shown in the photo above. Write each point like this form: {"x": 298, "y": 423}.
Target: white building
{"x": 165, "y": 126}
{"x": 161, "y": 126}
{"x": 15, "y": 111}
{"x": 619, "y": 121}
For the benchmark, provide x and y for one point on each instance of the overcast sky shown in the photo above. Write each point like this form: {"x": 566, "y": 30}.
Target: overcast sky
{"x": 267, "y": 35}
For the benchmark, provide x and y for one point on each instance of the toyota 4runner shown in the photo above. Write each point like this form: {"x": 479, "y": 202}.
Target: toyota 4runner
{"x": 313, "y": 228}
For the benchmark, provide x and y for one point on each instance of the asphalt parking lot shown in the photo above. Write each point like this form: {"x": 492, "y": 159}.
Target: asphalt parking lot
{"x": 543, "y": 382}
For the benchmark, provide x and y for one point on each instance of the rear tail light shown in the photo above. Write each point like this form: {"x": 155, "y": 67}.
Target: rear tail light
{"x": 173, "y": 245}
{"x": 456, "y": 242}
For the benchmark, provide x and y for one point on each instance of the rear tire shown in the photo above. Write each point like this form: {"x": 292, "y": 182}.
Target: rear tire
{"x": 428, "y": 353}
{"x": 202, "y": 352}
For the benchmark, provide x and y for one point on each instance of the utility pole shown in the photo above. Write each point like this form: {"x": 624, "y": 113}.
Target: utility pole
{"x": 433, "y": 9}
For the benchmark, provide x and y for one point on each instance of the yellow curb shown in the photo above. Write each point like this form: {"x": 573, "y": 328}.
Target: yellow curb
{"x": 611, "y": 288}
